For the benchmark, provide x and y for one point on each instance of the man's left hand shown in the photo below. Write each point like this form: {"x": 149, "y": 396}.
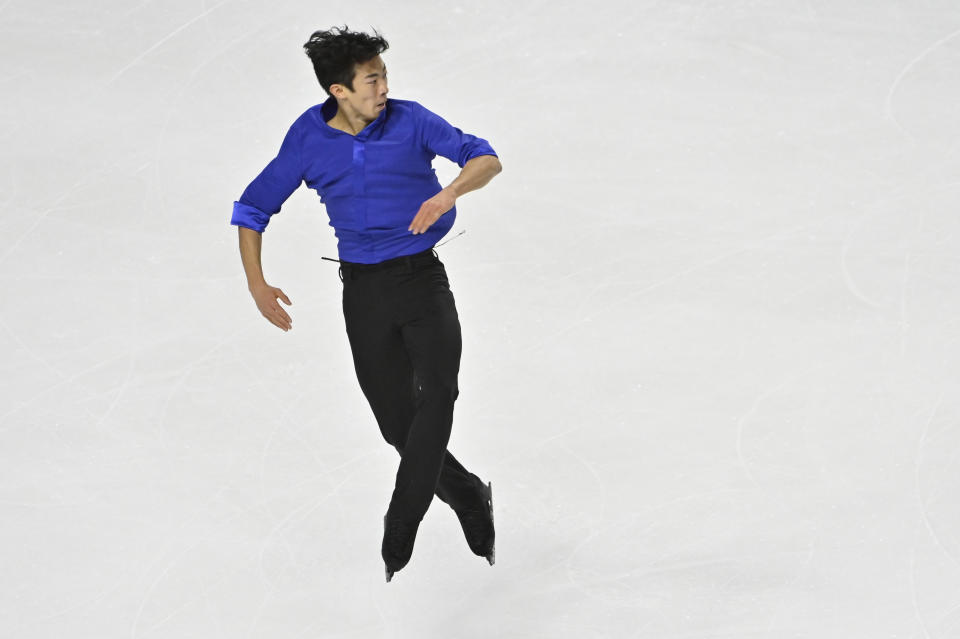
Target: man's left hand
{"x": 431, "y": 210}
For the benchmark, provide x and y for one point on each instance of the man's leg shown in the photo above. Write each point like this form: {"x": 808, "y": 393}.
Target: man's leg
{"x": 386, "y": 375}
{"x": 432, "y": 336}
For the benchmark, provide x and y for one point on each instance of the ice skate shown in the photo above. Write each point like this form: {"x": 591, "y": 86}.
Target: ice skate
{"x": 398, "y": 539}
{"x": 477, "y": 524}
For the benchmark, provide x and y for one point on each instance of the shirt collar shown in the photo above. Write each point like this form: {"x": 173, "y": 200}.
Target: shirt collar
{"x": 329, "y": 109}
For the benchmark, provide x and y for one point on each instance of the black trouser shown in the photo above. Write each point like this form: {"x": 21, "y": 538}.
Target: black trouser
{"x": 404, "y": 332}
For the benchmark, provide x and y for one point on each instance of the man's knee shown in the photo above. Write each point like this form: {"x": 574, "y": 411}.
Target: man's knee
{"x": 395, "y": 436}
{"x": 394, "y": 422}
{"x": 439, "y": 390}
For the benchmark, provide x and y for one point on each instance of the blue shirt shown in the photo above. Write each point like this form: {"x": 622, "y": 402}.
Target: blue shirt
{"x": 372, "y": 184}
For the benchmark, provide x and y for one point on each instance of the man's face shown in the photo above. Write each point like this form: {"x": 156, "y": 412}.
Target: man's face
{"x": 369, "y": 95}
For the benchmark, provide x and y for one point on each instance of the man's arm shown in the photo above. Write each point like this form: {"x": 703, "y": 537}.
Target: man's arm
{"x": 263, "y": 294}
{"x": 476, "y": 173}
{"x": 250, "y": 243}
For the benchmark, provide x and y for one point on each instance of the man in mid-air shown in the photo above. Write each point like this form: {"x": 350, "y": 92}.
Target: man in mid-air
{"x": 370, "y": 160}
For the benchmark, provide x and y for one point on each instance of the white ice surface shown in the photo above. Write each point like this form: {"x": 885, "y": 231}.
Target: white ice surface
{"x": 711, "y": 311}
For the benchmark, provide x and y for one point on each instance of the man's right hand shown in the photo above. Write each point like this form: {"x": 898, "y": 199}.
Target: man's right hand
{"x": 266, "y": 298}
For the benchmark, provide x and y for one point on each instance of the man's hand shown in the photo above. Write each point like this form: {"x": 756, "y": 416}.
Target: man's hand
{"x": 266, "y": 298}
{"x": 431, "y": 210}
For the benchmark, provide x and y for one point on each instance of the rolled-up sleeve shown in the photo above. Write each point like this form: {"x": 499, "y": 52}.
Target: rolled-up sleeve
{"x": 265, "y": 195}
{"x": 442, "y": 138}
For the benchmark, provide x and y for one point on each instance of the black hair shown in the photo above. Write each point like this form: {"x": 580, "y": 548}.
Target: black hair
{"x": 335, "y": 53}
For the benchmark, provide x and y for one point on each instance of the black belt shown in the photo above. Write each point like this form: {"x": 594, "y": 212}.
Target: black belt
{"x": 429, "y": 255}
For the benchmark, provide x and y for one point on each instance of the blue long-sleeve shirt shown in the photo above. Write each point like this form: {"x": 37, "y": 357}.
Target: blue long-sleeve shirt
{"x": 372, "y": 184}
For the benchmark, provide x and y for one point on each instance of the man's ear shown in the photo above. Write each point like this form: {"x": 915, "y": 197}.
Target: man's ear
{"x": 338, "y": 91}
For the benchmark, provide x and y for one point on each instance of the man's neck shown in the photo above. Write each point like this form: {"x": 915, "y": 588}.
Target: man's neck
{"x": 347, "y": 124}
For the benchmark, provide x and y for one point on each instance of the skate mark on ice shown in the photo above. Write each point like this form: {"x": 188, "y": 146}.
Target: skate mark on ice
{"x": 764, "y": 395}
{"x": 790, "y": 587}
{"x": 187, "y": 369}
{"x": 903, "y": 303}
{"x": 918, "y": 463}
{"x": 80, "y": 182}
{"x": 302, "y": 512}
{"x": 888, "y": 102}
{"x": 280, "y": 422}
{"x": 845, "y": 270}
{"x": 913, "y": 590}
{"x": 160, "y": 42}
{"x": 63, "y": 382}
{"x": 224, "y": 521}
{"x": 174, "y": 107}
{"x": 663, "y": 282}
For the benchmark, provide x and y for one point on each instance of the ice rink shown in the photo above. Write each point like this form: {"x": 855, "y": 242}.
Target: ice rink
{"x": 710, "y": 310}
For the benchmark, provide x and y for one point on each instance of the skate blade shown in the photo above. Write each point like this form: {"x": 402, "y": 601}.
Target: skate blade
{"x": 493, "y": 551}
{"x": 386, "y": 568}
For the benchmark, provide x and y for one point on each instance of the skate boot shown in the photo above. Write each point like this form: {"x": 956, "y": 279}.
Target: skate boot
{"x": 398, "y": 538}
{"x": 477, "y": 524}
